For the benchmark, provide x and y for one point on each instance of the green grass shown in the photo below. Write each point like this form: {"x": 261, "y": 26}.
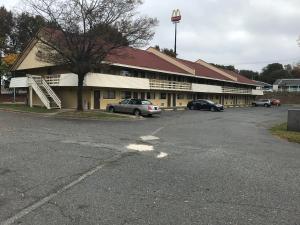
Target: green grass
{"x": 281, "y": 131}
{"x": 93, "y": 115}
{"x": 25, "y": 108}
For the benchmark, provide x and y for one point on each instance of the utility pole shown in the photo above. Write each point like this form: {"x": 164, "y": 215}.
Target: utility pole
{"x": 176, "y": 17}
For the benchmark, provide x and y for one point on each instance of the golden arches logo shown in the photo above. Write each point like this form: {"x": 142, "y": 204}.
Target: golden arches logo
{"x": 176, "y": 12}
{"x": 176, "y": 16}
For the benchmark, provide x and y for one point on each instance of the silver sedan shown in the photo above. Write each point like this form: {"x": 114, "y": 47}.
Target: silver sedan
{"x": 135, "y": 106}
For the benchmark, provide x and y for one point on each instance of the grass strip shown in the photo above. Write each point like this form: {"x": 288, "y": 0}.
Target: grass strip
{"x": 281, "y": 131}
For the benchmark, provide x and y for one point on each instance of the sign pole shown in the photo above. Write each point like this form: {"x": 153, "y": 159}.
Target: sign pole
{"x": 176, "y": 17}
{"x": 175, "y": 47}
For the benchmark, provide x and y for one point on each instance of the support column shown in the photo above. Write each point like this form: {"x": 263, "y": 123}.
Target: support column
{"x": 92, "y": 99}
{"x": 30, "y": 97}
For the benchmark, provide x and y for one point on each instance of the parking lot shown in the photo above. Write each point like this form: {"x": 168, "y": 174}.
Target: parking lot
{"x": 190, "y": 167}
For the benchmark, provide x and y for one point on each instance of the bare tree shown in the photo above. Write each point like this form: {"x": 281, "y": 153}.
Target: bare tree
{"x": 83, "y": 32}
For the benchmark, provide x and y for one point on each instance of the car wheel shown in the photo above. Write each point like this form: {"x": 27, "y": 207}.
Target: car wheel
{"x": 266, "y": 105}
{"x": 254, "y": 105}
{"x": 192, "y": 107}
{"x": 111, "y": 109}
{"x": 212, "y": 109}
{"x": 137, "y": 112}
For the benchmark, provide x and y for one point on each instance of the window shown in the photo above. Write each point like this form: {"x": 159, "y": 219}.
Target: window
{"x": 124, "y": 102}
{"x": 133, "y": 102}
{"x": 180, "y": 96}
{"x": 109, "y": 94}
{"x": 126, "y": 95}
{"x": 189, "y": 96}
{"x": 143, "y": 95}
{"x": 135, "y": 95}
{"x": 146, "y": 102}
{"x": 150, "y": 95}
{"x": 125, "y": 73}
{"x": 163, "y": 96}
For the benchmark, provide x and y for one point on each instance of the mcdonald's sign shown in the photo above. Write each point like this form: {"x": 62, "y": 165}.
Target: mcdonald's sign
{"x": 176, "y": 16}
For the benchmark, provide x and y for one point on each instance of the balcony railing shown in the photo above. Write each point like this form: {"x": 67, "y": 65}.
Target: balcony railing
{"x": 234, "y": 90}
{"x": 52, "y": 80}
{"x": 170, "y": 85}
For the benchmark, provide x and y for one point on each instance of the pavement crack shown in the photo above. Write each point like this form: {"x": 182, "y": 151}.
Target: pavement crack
{"x": 61, "y": 211}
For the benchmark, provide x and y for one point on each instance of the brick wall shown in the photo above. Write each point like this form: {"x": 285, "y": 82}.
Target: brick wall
{"x": 285, "y": 97}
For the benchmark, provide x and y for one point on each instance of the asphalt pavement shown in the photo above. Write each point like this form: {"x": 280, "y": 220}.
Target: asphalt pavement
{"x": 184, "y": 167}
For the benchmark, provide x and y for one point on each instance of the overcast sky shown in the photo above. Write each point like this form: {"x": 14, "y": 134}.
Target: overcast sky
{"x": 246, "y": 33}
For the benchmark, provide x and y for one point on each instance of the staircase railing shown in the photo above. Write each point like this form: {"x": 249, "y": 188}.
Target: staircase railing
{"x": 51, "y": 93}
{"x": 39, "y": 92}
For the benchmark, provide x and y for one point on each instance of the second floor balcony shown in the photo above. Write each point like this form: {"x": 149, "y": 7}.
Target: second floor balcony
{"x": 123, "y": 82}
{"x": 169, "y": 85}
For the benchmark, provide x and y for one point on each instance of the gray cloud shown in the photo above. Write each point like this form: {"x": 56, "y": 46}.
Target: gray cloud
{"x": 246, "y": 33}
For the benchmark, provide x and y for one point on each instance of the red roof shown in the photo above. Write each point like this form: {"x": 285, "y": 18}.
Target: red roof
{"x": 204, "y": 71}
{"x": 240, "y": 78}
{"x": 141, "y": 58}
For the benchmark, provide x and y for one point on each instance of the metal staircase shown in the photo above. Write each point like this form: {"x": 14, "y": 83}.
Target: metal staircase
{"x": 44, "y": 92}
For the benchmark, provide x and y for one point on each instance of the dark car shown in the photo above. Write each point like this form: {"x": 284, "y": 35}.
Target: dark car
{"x": 203, "y": 104}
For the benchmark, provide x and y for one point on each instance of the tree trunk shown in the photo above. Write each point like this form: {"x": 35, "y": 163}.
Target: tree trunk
{"x": 80, "y": 92}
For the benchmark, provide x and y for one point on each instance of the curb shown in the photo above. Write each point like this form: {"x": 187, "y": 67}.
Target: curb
{"x": 32, "y": 113}
{"x": 56, "y": 115}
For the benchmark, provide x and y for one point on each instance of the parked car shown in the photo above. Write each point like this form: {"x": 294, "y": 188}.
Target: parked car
{"x": 135, "y": 106}
{"x": 204, "y": 104}
{"x": 275, "y": 102}
{"x": 262, "y": 102}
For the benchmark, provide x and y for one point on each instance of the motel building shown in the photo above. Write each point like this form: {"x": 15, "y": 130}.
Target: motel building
{"x": 132, "y": 73}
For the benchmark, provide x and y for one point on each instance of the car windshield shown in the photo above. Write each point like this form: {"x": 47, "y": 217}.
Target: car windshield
{"x": 146, "y": 102}
{"x": 125, "y": 101}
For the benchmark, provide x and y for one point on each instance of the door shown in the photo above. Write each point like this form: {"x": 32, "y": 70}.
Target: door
{"x": 96, "y": 99}
{"x": 169, "y": 99}
{"x": 174, "y": 100}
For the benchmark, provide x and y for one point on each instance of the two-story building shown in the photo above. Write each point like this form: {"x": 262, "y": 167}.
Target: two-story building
{"x": 131, "y": 73}
{"x": 287, "y": 85}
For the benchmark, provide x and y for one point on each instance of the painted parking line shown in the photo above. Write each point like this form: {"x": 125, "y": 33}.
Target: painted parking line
{"x": 43, "y": 201}
{"x": 157, "y": 130}
{"x": 161, "y": 155}
{"x": 149, "y": 138}
{"x": 46, "y": 199}
{"x": 140, "y": 148}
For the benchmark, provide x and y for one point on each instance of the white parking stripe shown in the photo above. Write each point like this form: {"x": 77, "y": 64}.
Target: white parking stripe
{"x": 157, "y": 130}
{"x": 46, "y": 199}
{"x": 140, "y": 148}
{"x": 149, "y": 138}
{"x": 161, "y": 155}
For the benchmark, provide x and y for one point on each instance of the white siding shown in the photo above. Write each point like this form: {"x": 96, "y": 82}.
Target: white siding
{"x": 68, "y": 79}
{"x": 113, "y": 81}
{"x": 257, "y": 92}
{"x": 206, "y": 88}
{"x": 18, "y": 82}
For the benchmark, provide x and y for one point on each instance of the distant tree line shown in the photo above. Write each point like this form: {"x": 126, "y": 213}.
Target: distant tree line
{"x": 269, "y": 74}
